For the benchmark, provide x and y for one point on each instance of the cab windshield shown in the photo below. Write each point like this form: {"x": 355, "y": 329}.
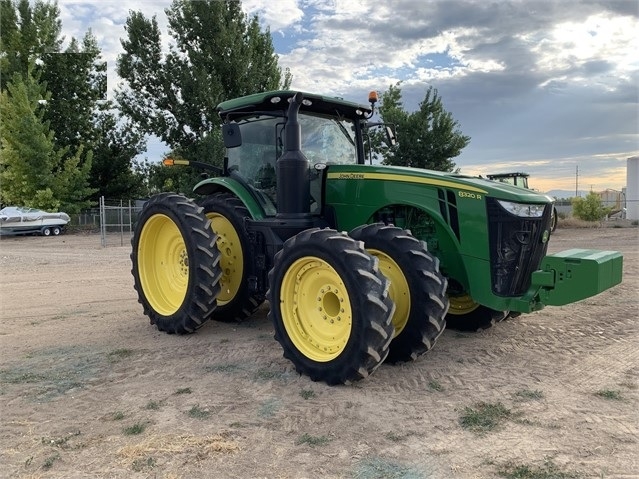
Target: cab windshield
{"x": 327, "y": 140}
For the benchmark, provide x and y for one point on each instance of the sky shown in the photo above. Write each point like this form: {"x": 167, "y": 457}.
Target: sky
{"x": 545, "y": 87}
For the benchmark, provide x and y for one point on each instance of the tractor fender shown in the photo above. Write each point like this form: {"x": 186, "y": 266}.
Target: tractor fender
{"x": 443, "y": 243}
{"x": 226, "y": 184}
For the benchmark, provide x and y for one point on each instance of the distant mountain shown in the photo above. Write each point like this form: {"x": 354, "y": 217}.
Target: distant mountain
{"x": 565, "y": 193}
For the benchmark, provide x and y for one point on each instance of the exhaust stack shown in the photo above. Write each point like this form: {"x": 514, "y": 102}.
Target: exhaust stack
{"x": 293, "y": 192}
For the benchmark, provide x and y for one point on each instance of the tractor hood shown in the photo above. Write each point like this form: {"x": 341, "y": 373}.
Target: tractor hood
{"x": 470, "y": 184}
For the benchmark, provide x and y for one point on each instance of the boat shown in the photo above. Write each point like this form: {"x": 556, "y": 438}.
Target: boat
{"x": 17, "y": 220}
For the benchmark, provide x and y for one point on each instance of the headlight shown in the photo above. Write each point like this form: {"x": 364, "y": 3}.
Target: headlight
{"x": 523, "y": 210}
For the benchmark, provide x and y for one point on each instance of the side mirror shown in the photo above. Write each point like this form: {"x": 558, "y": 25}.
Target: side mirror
{"x": 231, "y": 135}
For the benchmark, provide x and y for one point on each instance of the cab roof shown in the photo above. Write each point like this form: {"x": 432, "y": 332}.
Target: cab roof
{"x": 278, "y": 100}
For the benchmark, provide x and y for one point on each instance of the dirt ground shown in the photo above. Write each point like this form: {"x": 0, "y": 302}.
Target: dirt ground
{"x": 88, "y": 389}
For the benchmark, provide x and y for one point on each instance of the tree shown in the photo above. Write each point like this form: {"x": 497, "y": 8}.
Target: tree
{"x": 590, "y": 208}
{"x": 33, "y": 170}
{"x": 113, "y": 174}
{"x": 427, "y": 138}
{"x": 76, "y": 78}
{"x": 217, "y": 53}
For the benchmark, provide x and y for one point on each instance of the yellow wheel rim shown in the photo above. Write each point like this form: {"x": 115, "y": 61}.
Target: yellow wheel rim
{"x": 462, "y": 304}
{"x": 398, "y": 291}
{"x": 231, "y": 257}
{"x": 163, "y": 264}
{"x": 316, "y": 309}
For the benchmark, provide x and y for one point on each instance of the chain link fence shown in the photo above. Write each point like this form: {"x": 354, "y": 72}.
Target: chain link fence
{"x": 117, "y": 219}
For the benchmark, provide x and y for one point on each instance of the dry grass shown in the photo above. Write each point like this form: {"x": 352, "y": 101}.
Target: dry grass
{"x": 199, "y": 446}
{"x": 572, "y": 222}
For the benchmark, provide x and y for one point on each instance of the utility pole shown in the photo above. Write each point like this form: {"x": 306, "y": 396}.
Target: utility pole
{"x": 577, "y": 181}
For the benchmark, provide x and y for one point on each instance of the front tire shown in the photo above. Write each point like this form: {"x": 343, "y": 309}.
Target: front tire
{"x": 236, "y": 301}
{"x": 175, "y": 261}
{"x": 330, "y": 306}
{"x": 417, "y": 288}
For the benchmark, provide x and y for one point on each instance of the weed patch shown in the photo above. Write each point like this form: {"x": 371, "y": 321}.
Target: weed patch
{"x": 140, "y": 464}
{"x": 45, "y": 375}
{"x": 307, "y": 393}
{"x": 117, "y": 416}
{"x": 611, "y": 394}
{"x": 119, "y": 354}
{"x": 196, "y": 412}
{"x": 49, "y": 461}
{"x": 523, "y": 471}
{"x": 435, "y": 385}
{"x": 484, "y": 417}
{"x": 224, "y": 368}
{"x": 184, "y": 391}
{"x": 392, "y": 436}
{"x": 267, "y": 374}
{"x": 61, "y": 442}
{"x": 135, "y": 429}
{"x": 153, "y": 405}
{"x": 312, "y": 440}
{"x": 269, "y": 407}
{"x": 377, "y": 468}
{"x": 529, "y": 395}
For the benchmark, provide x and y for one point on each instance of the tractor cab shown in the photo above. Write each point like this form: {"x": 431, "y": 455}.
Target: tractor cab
{"x": 324, "y": 140}
{"x": 255, "y": 136}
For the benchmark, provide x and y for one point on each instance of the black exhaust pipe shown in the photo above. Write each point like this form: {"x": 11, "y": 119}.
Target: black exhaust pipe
{"x": 293, "y": 182}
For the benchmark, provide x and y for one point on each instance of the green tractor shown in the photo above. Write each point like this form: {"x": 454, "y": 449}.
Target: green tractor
{"x": 360, "y": 263}
{"x": 521, "y": 180}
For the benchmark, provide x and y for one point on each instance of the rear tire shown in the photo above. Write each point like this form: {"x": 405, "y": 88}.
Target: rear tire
{"x": 46, "y": 232}
{"x": 56, "y": 231}
{"x": 417, "y": 288}
{"x": 236, "y": 301}
{"x": 467, "y": 315}
{"x": 175, "y": 261}
{"x": 330, "y": 306}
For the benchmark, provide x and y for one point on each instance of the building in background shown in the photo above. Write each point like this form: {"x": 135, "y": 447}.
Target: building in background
{"x": 632, "y": 188}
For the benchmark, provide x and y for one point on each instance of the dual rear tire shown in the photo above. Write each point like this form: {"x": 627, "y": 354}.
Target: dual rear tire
{"x": 175, "y": 264}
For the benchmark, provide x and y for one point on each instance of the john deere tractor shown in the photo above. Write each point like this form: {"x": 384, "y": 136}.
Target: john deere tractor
{"x": 359, "y": 263}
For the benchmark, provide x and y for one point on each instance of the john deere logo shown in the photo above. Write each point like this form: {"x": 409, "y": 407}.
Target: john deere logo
{"x": 545, "y": 236}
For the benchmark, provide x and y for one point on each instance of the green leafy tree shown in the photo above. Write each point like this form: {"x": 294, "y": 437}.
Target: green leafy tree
{"x": 590, "y": 208}
{"x": 216, "y": 53}
{"x": 33, "y": 170}
{"x": 77, "y": 81}
{"x": 427, "y": 138}
{"x": 28, "y": 30}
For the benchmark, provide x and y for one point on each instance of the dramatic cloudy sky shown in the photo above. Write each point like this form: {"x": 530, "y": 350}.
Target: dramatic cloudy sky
{"x": 540, "y": 86}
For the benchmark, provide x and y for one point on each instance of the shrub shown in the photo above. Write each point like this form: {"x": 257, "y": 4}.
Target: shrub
{"x": 589, "y": 208}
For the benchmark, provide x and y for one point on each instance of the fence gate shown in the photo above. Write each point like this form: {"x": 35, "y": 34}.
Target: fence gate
{"x": 116, "y": 221}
